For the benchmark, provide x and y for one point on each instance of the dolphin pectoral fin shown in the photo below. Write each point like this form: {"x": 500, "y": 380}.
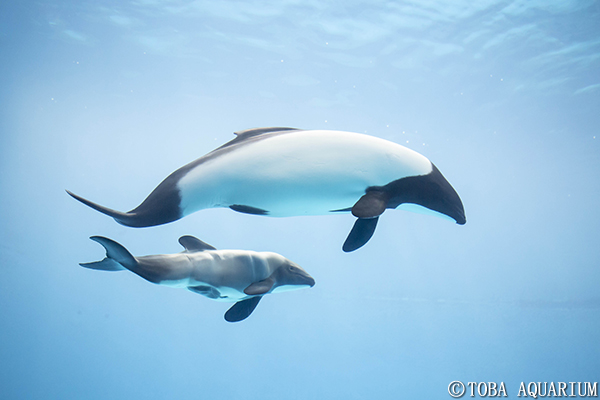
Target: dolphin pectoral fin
{"x": 242, "y": 309}
{"x": 193, "y": 244}
{"x": 368, "y": 209}
{"x": 260, "y": 287}
{"x": 360, "y": 234}
{"x": 371, "y": 204}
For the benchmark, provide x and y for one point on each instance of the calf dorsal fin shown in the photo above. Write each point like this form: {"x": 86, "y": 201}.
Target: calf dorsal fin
{"x": 193, "y": 244}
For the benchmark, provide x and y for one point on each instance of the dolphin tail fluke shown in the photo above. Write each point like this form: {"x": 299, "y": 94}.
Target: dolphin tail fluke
{"x": 127, "y": 219}
{"x": 117, "y": 256}
{"x": 108, "y": 264}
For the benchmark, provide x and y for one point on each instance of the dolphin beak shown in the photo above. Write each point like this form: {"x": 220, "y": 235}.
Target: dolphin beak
{"x": 307, "y": 280}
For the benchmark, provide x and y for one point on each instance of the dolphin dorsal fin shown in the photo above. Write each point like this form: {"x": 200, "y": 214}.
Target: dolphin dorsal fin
{"x": 242, "y": 136}
{"x": 259, "y": 131}
{"x": 193, "y": 244}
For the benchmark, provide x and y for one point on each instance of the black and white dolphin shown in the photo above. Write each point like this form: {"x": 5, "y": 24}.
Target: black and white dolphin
{"x": 282, "y": 172}
{"x": 224, "y": 275}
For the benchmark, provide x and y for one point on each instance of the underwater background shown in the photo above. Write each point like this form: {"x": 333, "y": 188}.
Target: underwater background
{"x": 106, "y": 98}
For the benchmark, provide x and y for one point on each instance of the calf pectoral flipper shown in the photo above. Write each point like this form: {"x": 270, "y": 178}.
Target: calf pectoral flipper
{"x": 242, "y": 309}
{"x": 260, "y": 287}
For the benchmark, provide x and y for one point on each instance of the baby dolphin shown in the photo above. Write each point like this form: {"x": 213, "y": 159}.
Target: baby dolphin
{"x": 282, "y": 172}
{"x": 223, "y": 275}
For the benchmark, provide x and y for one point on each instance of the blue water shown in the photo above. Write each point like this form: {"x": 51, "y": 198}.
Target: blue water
{"x": 106, "y": 98}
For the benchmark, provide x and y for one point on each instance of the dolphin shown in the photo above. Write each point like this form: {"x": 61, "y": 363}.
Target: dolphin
{"x": 281, "y": 172}
{"x": 239, "y": 276}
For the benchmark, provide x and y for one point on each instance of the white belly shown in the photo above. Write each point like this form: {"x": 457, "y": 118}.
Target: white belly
{"x": 299, "y": 173}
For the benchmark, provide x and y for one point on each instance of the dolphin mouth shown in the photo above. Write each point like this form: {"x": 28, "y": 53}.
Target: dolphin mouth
{"x": 303, "y": 278}
{"x": 309, "y": 281}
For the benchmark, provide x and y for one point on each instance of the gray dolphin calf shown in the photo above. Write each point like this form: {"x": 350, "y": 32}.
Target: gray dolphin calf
{"x": 281, "y": 172}
{"x": 223, "y": 275}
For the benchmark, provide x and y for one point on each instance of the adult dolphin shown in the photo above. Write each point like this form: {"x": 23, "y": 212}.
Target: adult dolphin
{"x": 223, "y": 275}
{"x": 282, "y": 172}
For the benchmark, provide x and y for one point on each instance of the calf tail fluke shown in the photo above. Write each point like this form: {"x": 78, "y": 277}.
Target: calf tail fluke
{"x": 117, "y": 256}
